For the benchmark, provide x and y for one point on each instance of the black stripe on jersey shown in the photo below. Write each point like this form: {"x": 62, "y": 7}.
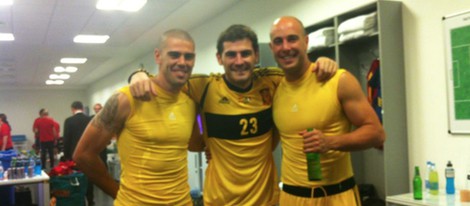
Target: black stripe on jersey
{"x": 239, "y": 126}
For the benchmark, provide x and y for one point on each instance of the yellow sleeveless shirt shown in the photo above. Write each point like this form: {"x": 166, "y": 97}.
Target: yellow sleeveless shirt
{"x": 153, "y": 150}
{"x": 307, "y": 103}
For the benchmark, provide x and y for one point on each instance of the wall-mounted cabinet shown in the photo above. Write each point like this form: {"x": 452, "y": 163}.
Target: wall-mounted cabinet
{"x": 386, "y": 169}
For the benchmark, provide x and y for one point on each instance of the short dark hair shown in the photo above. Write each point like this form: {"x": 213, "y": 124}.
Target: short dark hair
{"x": 3, "y": 117}
{"x": 77, "y": 105}
{"x": 237, "y": 32}
{"x": 43, "y": 111}
{"x": 175, "y": 33}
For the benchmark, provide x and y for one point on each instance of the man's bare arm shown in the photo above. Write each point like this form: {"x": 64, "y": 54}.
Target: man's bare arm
{"x": 99, "y": 132}
{"x": 368, "y": 133}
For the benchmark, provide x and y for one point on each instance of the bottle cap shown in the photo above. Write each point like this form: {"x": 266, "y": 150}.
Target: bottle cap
{"x": 449, "y": 164}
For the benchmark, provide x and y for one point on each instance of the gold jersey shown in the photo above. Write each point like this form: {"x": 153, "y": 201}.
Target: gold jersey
{"x": 153, "y": 150}
{"x": 238, "y": 132}
{"x": 307, "y": 103}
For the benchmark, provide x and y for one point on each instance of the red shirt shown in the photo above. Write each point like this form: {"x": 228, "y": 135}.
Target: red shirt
{"x": 45, "y": 127}
{"x": 5, "y": 131}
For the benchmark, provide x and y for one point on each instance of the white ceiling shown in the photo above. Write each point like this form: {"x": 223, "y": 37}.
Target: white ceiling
{"x": 44, "y": 32}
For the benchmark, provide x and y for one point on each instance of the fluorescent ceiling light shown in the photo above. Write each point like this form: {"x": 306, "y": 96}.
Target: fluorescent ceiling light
{"x": 68, "y": 69}
{"x": 71, "y": 69}
{"x": 59, "y": 69}
{"x": 6, "y": 37}
{"x": 6, "y": 2}
{"x": 91, "y": 39}
{"x": 54, "y": 82}
{"x": 123, "y": 5}
{"x": 69, "y": 60}
{"x": 59, "y": 76}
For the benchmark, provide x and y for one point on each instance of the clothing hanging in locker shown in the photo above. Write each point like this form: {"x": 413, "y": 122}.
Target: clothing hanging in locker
{"x": 374, "y": 94}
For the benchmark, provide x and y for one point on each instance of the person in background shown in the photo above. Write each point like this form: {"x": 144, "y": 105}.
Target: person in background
{"x": 37, "y": 142}
{"x": 74, "y": 127}
{"x": 330, "y": 108}
{"x": 6, "y": 142}
{"x": 237, "y": 118}
{"x": 152, "y": 137}
{"x": 59, "y": 145}
{"x": 97, "y": 108}
{"x": 45, "y": 128}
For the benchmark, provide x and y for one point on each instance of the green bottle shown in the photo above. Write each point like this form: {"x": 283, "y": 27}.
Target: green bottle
{"x": 417, "y": 185}
{"x": 313, "y": 165}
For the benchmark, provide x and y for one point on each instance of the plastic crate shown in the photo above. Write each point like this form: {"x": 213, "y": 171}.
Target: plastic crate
{"x": 19, "y": 142}
{"x": 5, "y": 157}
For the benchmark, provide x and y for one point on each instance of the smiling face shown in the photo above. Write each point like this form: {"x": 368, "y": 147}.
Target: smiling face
{"x": 239, "y": 59}
{"x": 176, "y": 61}
{"x": 289, "y": 46}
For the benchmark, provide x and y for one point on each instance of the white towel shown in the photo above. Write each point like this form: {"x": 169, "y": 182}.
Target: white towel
{"x": 326, "y": 31}
{"x": 356, "y": 34}
{"x": 321, "y": 38}
{"x": 362, "y": 22}
{"x": 320, "y": 41}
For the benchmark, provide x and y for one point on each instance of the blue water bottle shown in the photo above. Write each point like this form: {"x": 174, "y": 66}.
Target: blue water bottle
{"x": 450, "y": 186}
{"x": 37, "y": 166}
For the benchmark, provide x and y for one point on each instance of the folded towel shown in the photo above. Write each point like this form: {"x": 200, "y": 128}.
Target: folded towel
{"x": 321, "y": 38}
{"x": 356, "y": 34}
{"x": 361, "y": 22}
{"x": 319, "y": 41}
{"x": 327, "y": 31}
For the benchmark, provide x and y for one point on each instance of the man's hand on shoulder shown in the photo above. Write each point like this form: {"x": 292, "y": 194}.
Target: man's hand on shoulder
{"x": 141, "y": 86}
{"x": 325, "y": 68}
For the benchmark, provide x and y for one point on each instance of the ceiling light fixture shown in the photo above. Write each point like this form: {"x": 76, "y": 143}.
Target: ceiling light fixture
{"x": 69, "y": 60}
{"x": 6, "y": 2}
{"x": 6, "y": 37}
{"x": 69, "y": 69}
{"x": 59, "y": 69}
{"x": 54, "y": 82}
{"x": 123, "y": 5}
{"x": 91, "y": 39}
{"x": 59, "y": 76}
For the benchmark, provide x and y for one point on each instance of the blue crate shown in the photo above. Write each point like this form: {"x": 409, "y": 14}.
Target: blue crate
{"x": 5, "y": 157}
{"x": 18, "y": 138}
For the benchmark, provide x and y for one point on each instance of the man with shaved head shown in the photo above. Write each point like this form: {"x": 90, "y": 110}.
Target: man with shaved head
{"x": 331, "y": 108}
{"x": 152, "y": 137}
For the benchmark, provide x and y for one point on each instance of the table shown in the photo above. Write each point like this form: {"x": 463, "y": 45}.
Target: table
{"x": 43, "y": 186}
{"x": 428, "y": 200}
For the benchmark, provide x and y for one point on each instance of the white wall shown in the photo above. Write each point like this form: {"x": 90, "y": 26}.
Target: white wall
{"x": 426, "y": 89}
{"x": 22, "y": 106}
{"x": 100, "y": 91}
